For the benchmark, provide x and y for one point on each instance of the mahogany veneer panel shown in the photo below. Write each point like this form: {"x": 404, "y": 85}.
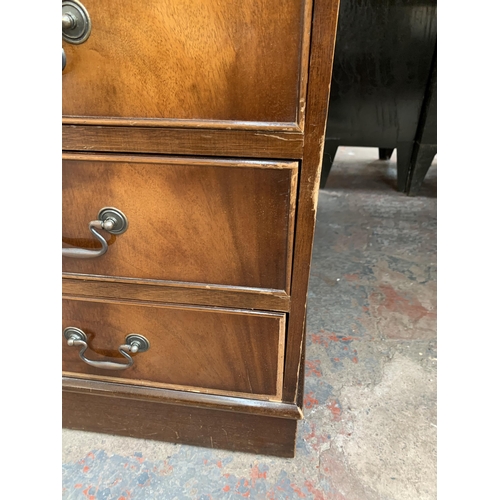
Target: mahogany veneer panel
{"x": 204, "y": 349}
{"x": 190, "y": 60}
{"x": 205, "y": 221}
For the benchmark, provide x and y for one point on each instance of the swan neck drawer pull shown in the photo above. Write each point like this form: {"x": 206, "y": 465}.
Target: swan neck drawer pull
{"x": 134, "y": 343}
{"x": 111, "y": 220}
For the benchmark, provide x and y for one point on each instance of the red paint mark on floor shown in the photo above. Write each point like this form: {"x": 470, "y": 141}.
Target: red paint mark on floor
{"x": 297, "y": 490}
{"x": 336, "y": 410}
{"x": 312, "y": 434}
{"x": 355, "y": 359}
{"x": 336, "y": 359}
{"x": 348, "y": 339}
{"x": 313, "y": 368}
{"x": 309, "y": 400}
{"x": 86, "y": 493}
{"x": 91, "y": 455}
{"x": 319, "y": 339}
{"x": 314, "y": 440}
{"x": 167, "y": 468}
{"x": 226, "y": 488}
{"x": 256, "y": 474}
{"x": 311, "y": 489}
{"x": 79, "y": 485}
{"x": 140, "y": 459}
{"x": 219, "y": 464}
{"x": 86, "y": 468}
{"x": 396, "y": 303}
{"x": 351, "y": 277}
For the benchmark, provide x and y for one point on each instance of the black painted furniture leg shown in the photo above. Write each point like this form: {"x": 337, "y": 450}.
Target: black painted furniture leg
{"x": 385, "y": 153}
{"x": 405, "y": 150}
{"x": 423, "y": 156}
{"x": 328, "y": 158}
{"x": 426, "y": 138}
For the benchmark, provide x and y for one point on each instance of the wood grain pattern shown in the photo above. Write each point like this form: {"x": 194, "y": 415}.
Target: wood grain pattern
{"x": 198, "y": 142}
{"x": 202, "y": 349}
{"x": 325, "y": 17}
{"x": 268, "y": 102}
{"x": 205, "y": 221}
{"x": 189, "y": 59}
{"x": 183, "y": 398}
{"x": 176, "y": 292}
{"x": 180, "y": 424}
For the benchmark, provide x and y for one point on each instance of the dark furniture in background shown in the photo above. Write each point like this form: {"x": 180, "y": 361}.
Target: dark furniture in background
{"x": 425, "y": 144}
{"x": 383, "y": 90}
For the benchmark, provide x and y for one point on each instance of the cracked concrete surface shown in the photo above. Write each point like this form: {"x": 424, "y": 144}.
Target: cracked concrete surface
{"x": 391, "y": 427}
{"x": 369, "y": 431}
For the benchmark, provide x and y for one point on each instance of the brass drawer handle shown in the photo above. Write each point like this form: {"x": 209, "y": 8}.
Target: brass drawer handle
{"x": 133, "y": 343}
{"x": 111, "y": 220}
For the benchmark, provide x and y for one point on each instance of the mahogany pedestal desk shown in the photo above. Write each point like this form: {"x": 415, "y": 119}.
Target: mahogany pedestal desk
{"x": 193, "y": 136}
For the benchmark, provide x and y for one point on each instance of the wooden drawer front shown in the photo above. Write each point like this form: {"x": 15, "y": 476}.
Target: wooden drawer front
{"x": 202, "y": 349}
{"x": 242, "y": 61}
{"x": 203, "y": 221}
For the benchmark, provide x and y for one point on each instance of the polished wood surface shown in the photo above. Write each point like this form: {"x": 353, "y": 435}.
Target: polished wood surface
{"x": 190, "y": 60}
{"x": 180, "y": 424}
{"x": 234, "y": 233}
{"x": 173, "y": 141}
{"x": 184, "y": 398}
{"x": 205, "y": 221}
{"x": 176, "y": 292}
{"x": 203, "y": 349}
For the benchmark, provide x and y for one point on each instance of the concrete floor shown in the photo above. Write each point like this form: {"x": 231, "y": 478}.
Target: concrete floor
{"x": 370, "y": 390}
